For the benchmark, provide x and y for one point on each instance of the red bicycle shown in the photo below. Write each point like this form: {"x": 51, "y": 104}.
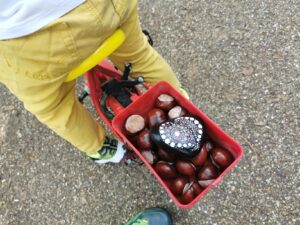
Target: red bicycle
{"x": 116, "y": 97}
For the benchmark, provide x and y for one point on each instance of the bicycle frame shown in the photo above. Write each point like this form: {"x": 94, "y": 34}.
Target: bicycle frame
{"x": 97, "y": 71}
{"x": 99, "y": 74}
{"x": 96, "y": 77}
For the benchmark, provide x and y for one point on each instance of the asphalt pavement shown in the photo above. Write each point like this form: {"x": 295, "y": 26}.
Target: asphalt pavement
{"x": 240, "y": 62}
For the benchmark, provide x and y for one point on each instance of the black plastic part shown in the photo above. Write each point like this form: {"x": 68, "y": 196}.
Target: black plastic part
{"x": 120, "y": 90}
{"x": 127, "y": 70}
{"x": 150, "y": 40}
{"x": 82, "y": 96}
{"x": 109, "y": 115}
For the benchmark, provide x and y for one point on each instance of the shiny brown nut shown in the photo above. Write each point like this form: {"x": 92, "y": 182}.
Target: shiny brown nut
{"x": 207, "y": 172}
{"x": 185, "y": 167}
{"x": 187, "y": 187}
{"x": 192, "y": 178}
{"x": 176, "y": 112}
{"x": 221, "y": 157}
{"x": 209, "y": 146}
{"x": 150, "y": 156}
{"x": 155, "y": 116}
{"x": 168, "y": 183}
{"x": 197, "y": 188}
{"x": 177, "y": 185}
{"x": 165, "y": 170}
{"x": 210, "y": 162}
{"x": 134, "y": 124}
{"x": 165, "y": 102}
{"x": 165, "y": 155}
{"x": 200, "y": 158}
{"x": 143, "y": 140}
{"x": 205, "y": 183}
{"x": 187, "y": 196}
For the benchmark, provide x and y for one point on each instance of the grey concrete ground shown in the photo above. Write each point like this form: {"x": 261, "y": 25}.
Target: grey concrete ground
{"x": 240, "y": 61}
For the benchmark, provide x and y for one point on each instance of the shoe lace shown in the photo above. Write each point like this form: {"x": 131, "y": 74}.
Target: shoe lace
{"x": 141, "y": 222}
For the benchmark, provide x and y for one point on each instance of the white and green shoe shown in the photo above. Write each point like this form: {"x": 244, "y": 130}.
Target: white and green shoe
{"x": 184, "y": 93}
{"x": 112, "y": 151}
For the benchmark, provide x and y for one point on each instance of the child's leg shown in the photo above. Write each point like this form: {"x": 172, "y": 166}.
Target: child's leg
{"x": 54, "y": 104}
{"x": 145, "y": 60}
{"x": 34, "y": 68}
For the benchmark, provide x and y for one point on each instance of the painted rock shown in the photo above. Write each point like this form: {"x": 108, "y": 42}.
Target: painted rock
{"x": 182, "y": 136}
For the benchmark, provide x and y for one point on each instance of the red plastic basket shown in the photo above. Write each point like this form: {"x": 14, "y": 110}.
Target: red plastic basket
{"x": 146, "y": 102}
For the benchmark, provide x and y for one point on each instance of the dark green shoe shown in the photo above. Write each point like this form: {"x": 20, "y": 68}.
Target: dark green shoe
{"x": 151, "y": 216}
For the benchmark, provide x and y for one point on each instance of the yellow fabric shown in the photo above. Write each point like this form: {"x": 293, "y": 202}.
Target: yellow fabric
{"x": 34, "y": 67}
{"x": 106, "y": 49}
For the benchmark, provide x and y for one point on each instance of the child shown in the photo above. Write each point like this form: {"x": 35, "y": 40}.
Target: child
{"x": 42, "y": 40}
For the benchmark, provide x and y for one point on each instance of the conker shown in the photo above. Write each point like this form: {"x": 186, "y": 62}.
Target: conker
{"x": 185, "y": 167}
{"x": 165, "y": 102}
{"x": 207, "y": 172}
{"x": 200, "y": 158}
{"x": 165, "y": 169}
{"x": 143, "y": 140}
{"x": 168, "y": 183}
{"x": 209, "y": 146}
{"x": 187, "y": 196}
{"x": 165, "y": 155}
{"x": 221, "y": 157}
{"x": 205, "y": 183}
{"x": 150, "y": 156}
{"x": 197, "y": 188}
{"x": 134, "y": 124}
{"x": 177, "y": 185}
{"x": 176, "y": 112}
{"x": 155, "y": 116}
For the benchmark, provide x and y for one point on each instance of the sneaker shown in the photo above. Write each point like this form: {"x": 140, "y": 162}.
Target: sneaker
{"x": 151, "y": 216}
{"x": 112, "y": 151}
{"x": 184, "y": 93}
{"x": 130, "y": 158}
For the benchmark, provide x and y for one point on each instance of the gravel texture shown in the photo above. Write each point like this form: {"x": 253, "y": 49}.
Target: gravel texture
{"x": 240, "y": 62}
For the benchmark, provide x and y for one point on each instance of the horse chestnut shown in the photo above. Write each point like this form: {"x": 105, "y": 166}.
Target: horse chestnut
{"x": 188, "y": 195}
{"x": 155, "y": 116}
{"x": 205, "y": 183}
{"x": 176, "y": 112}
{"x": 165, "y": 169}
{"x": 165, "y": 155}
{"x": 134, "y": 124}
{"x": 197, "y": 188}
{"x": 209, "y": 146}
{"x": 177, "y": 185}
{"x": 221, "y": 157}
{"x": 185, "y": 167}
{"x": 200, "y": 158}
{"x": 168, "y": 183}
{"x": 165, "y": 102}
{"x": 207, "y": 172}
{"x": 143, "y": 140}
{"x": 150, "y": 156}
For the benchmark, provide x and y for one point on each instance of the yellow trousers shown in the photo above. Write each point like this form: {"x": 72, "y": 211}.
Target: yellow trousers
{"x": 34, "y": 67}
